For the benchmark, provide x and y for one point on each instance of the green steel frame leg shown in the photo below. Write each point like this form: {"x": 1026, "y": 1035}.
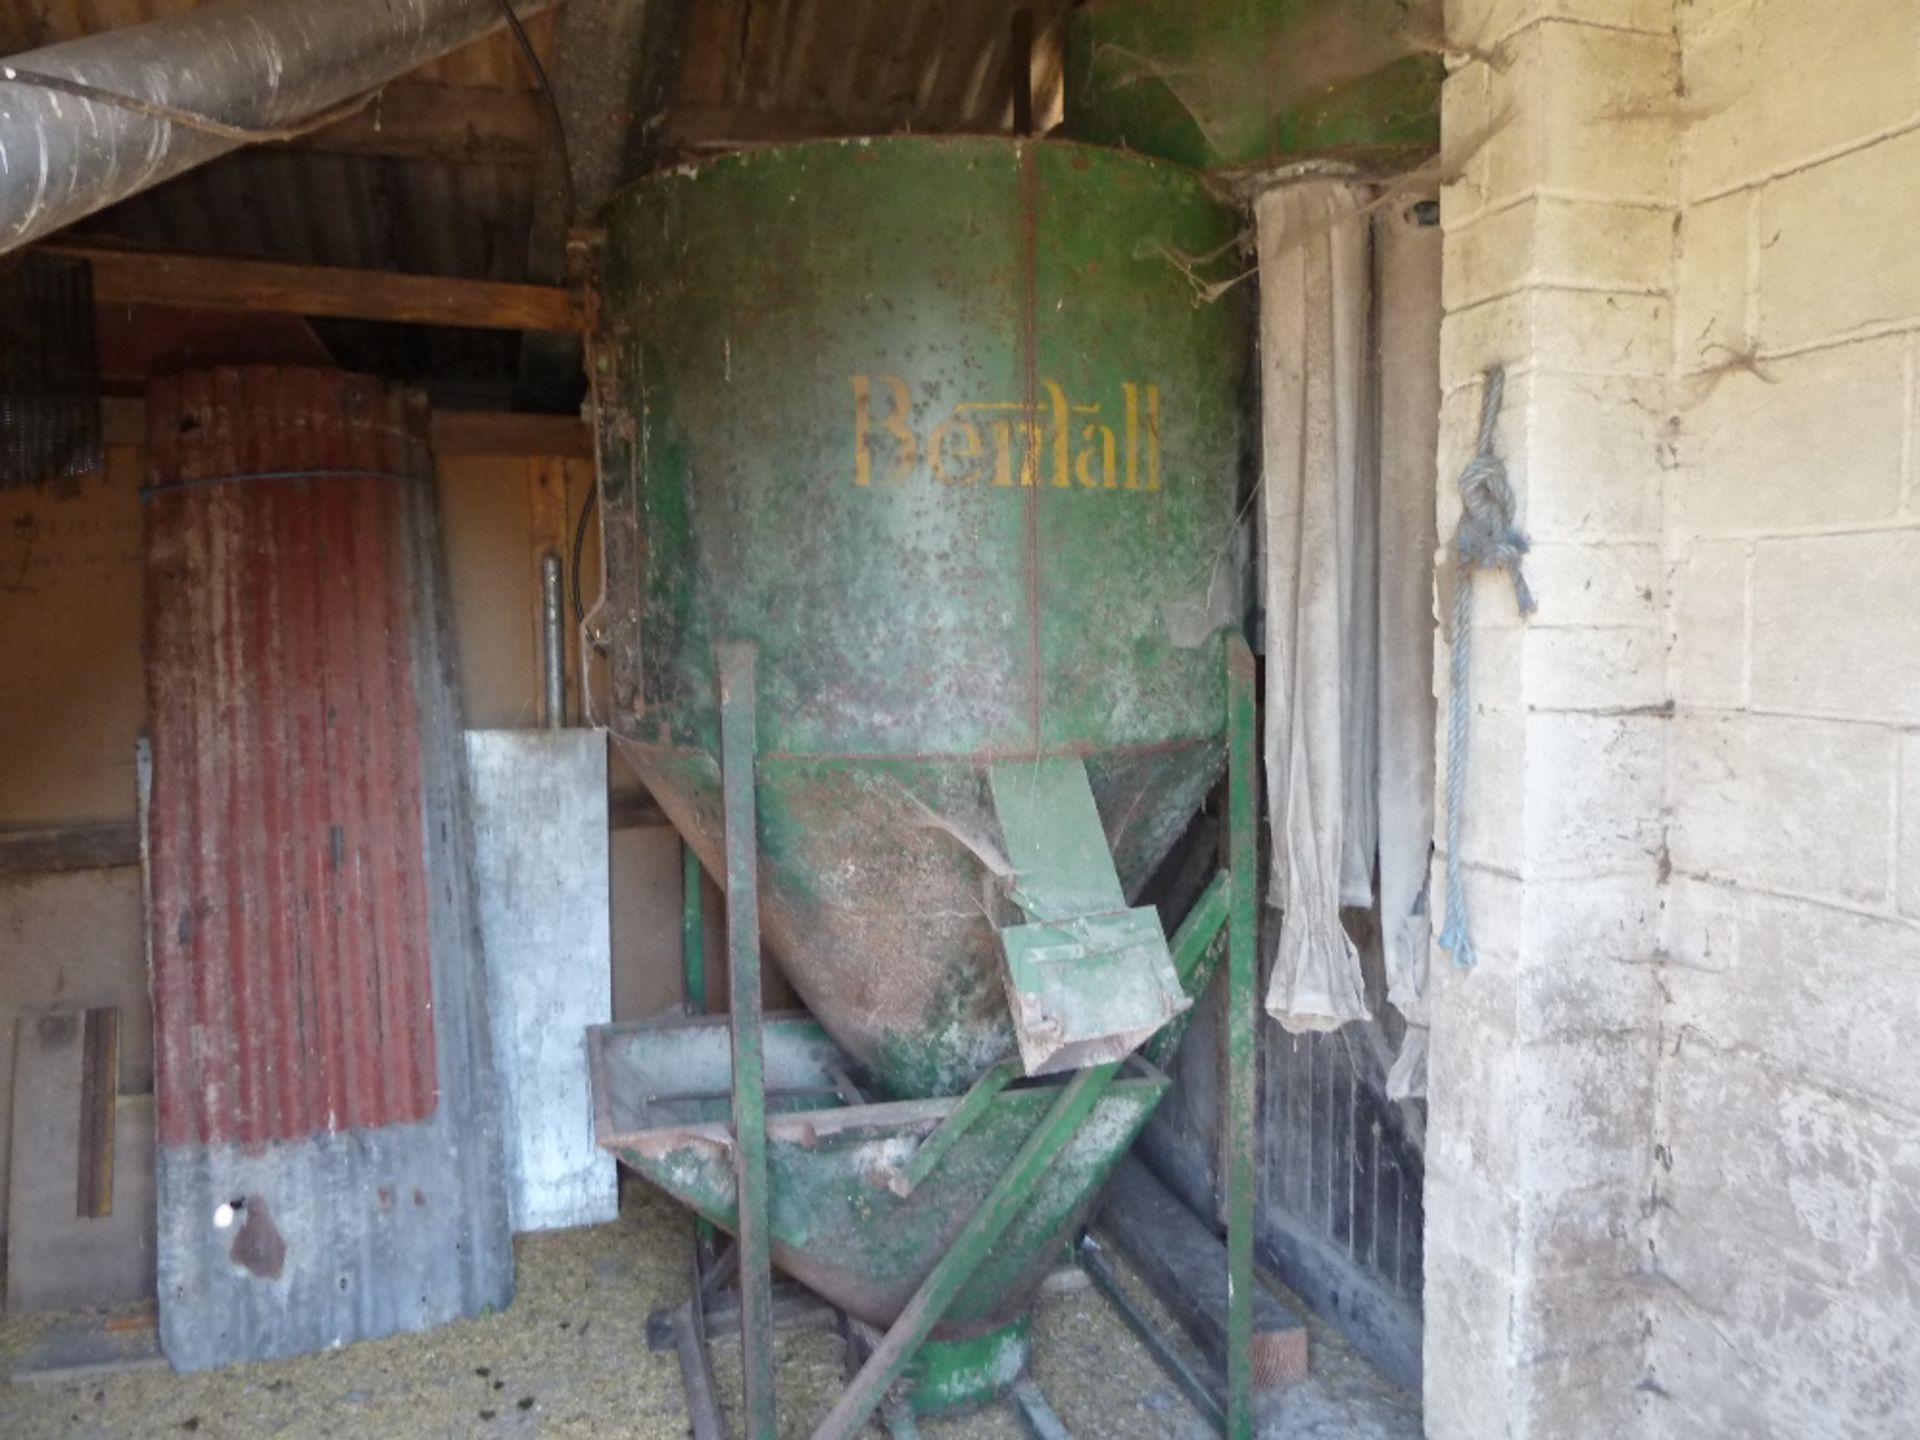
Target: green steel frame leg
{"x": 693, "y": 962}
{"x": 1242, "y": 866}
{"x": 693, "y": 939}
{"x": 1009, "y": 1196}
{"x": 738, "y": 746}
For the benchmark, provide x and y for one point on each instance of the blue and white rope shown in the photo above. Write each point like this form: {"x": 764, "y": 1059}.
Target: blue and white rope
{"x": 1486, "y": 540}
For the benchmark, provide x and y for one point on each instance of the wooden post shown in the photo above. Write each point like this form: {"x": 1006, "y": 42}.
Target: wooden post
{"x": 738, "y": 748}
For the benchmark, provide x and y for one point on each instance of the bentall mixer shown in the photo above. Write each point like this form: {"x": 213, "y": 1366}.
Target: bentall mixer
{"x": 942, "y": 430}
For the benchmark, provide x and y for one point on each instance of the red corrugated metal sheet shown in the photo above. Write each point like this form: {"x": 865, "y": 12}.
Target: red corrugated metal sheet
{"x": 329, "y": 1163}
{"x": 291, "y": 986}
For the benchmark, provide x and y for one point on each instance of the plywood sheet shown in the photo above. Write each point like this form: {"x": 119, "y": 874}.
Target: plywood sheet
{"x": 75, "y": 940}
{"x": 59, "y": 1258}
{"x": 70, "y": 683}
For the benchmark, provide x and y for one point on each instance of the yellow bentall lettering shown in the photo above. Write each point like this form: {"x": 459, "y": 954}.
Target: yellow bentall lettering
{"x": 967, "y": 451}
{"x": 895, "y": 425}
{"x": 969, "y": 435}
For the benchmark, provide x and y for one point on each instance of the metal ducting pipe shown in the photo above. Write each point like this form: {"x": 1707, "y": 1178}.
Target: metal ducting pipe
{"x": 252, "y": 65}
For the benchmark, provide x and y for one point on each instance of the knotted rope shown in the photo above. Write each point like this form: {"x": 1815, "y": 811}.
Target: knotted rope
{"x": 1486, "y": 540}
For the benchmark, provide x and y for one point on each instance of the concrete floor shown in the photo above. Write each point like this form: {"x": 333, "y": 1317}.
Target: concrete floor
{"x": 569, "y": 1359}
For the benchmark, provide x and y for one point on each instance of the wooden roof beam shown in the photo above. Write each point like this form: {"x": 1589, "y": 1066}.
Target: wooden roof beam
{"x": 148, "y": 277}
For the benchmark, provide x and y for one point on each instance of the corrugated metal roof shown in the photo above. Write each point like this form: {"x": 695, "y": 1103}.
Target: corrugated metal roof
{"x": 859, "y": 65}
{"x": 751, "y": 71}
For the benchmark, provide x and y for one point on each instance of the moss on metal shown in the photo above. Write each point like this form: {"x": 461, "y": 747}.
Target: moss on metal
{"x": 837, "y": 1226}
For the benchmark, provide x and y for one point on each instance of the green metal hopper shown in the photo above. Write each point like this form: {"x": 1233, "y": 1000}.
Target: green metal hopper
{"x": 951, "y": 429}
{"x": 849, "y": 1214}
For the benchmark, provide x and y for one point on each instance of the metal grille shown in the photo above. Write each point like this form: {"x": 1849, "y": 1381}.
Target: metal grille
{"x": 49, "y": 373}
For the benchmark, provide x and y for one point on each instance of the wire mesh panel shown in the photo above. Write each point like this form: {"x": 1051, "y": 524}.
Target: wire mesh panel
{"x": 49, "y": 371}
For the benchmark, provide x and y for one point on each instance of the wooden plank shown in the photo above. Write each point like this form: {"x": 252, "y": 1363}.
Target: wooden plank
{"x": 54, "y": 849}
{"x": 134, "y": 277}
{"x": 99, "y": 1087}
{"x": 123, "y": 421}
{"x": 1185, "y": 1264}
{"x": 57, "y": 1257}
{"x": 93, "y": 1346}
{"x": 461, "y": 123}
{"x": 507, "y": 432}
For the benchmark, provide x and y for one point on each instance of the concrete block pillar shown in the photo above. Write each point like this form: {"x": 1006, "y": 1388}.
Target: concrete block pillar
{"x": 1558, "y": 119}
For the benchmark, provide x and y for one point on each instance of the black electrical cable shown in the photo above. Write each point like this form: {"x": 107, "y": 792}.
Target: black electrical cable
{"x": 546, "y": 93}
{"x": 579, "y": 544}
{"x": 566, "y": 186}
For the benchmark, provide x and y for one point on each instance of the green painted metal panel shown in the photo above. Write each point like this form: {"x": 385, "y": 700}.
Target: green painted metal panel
{"x": 938, "y": 424}
{"x": 1223, "y": 84}
{"x": 1055, "y": 842}
{"x": 950, "y": 1375}
{"x": 837, "y": 1227}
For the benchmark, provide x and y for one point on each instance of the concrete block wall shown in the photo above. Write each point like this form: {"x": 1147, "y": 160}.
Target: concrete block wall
{"x": 1674, "y": 1158}
{"x": 1559, "y": 264}
{"x": 1788, "y": 1116}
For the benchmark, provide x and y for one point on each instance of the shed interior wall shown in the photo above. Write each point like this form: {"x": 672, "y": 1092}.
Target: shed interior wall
{"x": 72, "y": 704}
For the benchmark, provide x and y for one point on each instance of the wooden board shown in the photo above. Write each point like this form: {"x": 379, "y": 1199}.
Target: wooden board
{"x": 93, "y": 1345}
{"x": 59, "y": 1258}
{"x": 132, "y": 277}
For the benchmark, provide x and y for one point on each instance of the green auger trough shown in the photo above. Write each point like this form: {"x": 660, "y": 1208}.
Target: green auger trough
{"x": 948, "y": 435}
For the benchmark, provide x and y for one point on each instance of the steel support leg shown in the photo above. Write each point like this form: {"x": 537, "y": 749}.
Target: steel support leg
{"x": 1243, "y": 867}
{"x": 693, "y": 965}
{"x": 738, "y": 747}
{"x": 693, "y": 940}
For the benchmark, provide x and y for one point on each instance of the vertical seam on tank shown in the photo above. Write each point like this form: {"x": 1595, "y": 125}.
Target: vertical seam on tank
{"x": 1029, "y": 318}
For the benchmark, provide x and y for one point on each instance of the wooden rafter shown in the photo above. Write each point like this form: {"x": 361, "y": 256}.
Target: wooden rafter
{"x": 156, "y": 278}
{"x": 123, "y": 421}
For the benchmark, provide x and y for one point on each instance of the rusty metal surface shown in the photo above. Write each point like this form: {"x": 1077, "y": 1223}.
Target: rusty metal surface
{"x": 328, "y": 1153}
